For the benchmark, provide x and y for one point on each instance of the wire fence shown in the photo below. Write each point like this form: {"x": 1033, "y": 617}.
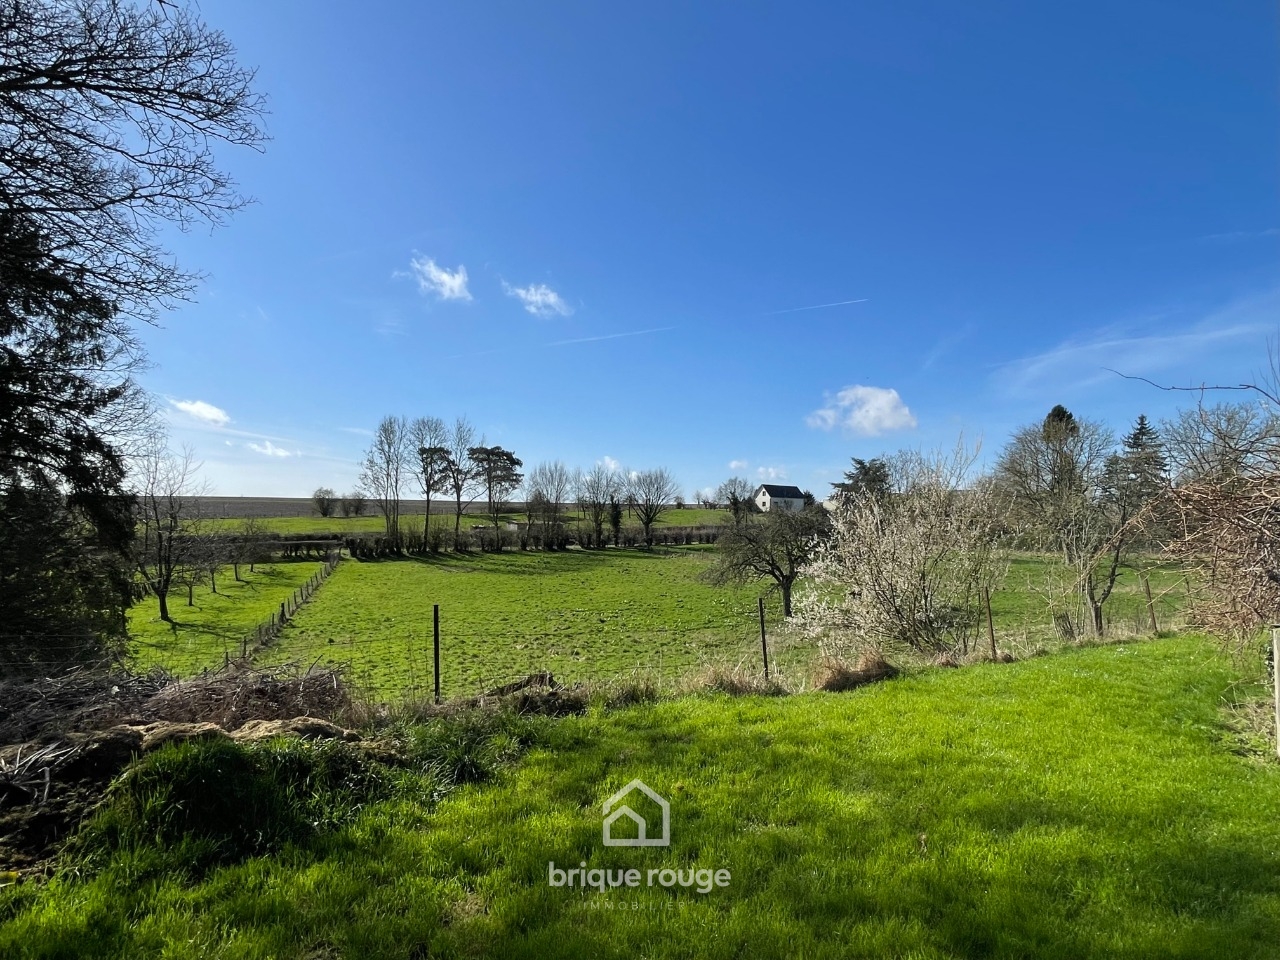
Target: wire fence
{"x": 269, "y": 629}
{"x": 475, "y": 651}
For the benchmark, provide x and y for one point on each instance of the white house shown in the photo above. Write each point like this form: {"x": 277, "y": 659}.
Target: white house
{"x": 771, "y": 496}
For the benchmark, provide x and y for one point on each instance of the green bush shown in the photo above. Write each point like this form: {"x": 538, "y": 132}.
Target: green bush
{"x": 469, "y": 747}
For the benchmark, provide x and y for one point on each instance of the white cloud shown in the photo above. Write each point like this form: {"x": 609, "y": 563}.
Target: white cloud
{"x": 867, "y": 411}
{"x": 769, "y": 474}
{"x": 1165, "y": 349}
{"x": 539, "y": 299}
{"x": 1237, "y": 235}
{"x": 610, "y": 464}
{"x": 204, "y": 412}
{"x": 358, "y": 431}
{"x": 268, "y": 449}
{"x": 737, "y": 464}
{"x": 446, "y": 285}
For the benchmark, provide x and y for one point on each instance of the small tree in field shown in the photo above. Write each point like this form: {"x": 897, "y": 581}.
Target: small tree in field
{"x": 427, "y": 455}
{"x": 496, "y": 472}
{"x": 595, "y": 492}
{"x": 909, "y": 569}
{"x": 353, "y": 503}
{"x": 386, "y": 470}
{"x": 651, "y": 494}
{"x": 736, "y": 494}
{"x": 773, "y": 546}
{"x": 324, "y": 500}
{"x": 548, "y": 488}
{"x": 169, "y": 548}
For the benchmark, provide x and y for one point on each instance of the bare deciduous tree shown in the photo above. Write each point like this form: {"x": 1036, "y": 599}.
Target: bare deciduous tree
{"x": 385, "y": 469}
{"x": 1208, "y": 443}
{"x": 253, "y": 532}
{"x": 548, "y": 487}
{"x": 324, "y": 500}
{"x": 736, "y": 494}
{"x": 108, "y": 115}
{"x": 1224, "y": 511}
{"x": 168, "y": 494}
{"x": 651, "y": 493}
{"x": 1058, "y": 482}
{"x": 596, "y": 491}
{"x": 459, "y": 471}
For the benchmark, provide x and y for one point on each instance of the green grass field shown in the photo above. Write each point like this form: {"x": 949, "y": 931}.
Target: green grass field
{"x": 1021, "y": 605}
{"x": 583, "y": 615}
{"x": 373, "y": 522}
{"x": 203, "y": 634}
{"x": 1086, "y": 804}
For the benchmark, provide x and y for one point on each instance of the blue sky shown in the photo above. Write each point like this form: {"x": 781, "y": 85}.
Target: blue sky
{"x": 651, "y": 203}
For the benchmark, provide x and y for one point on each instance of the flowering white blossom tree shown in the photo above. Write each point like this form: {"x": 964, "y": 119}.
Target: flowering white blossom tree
{"x": 908, "y": 569}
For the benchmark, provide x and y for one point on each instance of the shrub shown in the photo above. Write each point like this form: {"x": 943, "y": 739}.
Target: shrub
{"x": 192, "y": 806}
{"x": 469, "y": 747}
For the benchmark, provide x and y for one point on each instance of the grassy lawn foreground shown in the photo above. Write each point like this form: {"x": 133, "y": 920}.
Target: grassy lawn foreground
{"x": 1080, "y": 805}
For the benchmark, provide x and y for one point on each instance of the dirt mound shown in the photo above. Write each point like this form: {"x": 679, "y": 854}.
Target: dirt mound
{"x": 304, "y": 728}
{"x": 47, "y": 789}
{"x": 80, "y": 701}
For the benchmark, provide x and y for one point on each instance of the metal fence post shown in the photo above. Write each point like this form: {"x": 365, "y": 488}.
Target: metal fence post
{"x": 435, "y": 617}
{"x": 764, "y": 642}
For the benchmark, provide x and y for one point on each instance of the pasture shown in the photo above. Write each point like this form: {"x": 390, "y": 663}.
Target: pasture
{"x": 582, "y": 614}
{"x": 307, "y": 521}
{"x": 1087, "y": 804}
{"x": 203, "y": 634}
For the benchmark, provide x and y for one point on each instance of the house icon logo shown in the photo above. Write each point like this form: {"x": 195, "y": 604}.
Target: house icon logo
{"x": 642, "y": 839}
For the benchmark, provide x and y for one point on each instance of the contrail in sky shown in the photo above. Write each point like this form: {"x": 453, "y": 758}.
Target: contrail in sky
{"x": 818, "y": 306}
{"x": 611, "y": 336}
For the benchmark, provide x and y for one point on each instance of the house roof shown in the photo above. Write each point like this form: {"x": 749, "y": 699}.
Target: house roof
{"x": 775, "y": 490}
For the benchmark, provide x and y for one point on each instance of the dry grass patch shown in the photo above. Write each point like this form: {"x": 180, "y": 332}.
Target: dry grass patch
{"x": 735, "y": 681}
{"x": 837, "y": 676}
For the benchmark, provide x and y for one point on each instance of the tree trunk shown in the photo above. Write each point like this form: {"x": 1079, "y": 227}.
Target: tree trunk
{"x": 786, "y": 598}
{"x": 164, "y": 607}
{"x": 1095, "y": 605}
{"x": 191, "y": 589}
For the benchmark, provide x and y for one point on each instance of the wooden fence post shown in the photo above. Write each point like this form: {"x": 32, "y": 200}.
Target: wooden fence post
{"x": 1151, "y": 604}
{"x": 435, "y": 617}
{"x": 764, "y": 642}
{"x": 991, "y": 624}
{"x": 1275, "y": 678}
